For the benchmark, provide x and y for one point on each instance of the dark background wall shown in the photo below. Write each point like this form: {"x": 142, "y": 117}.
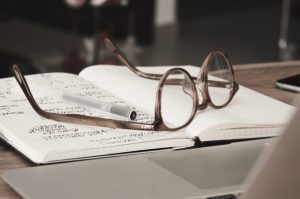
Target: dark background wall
{"x": 247, "y": 30}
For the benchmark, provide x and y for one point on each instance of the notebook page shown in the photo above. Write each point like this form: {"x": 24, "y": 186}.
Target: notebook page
{"x": 40, "y": 138}
{"x": 248, "y": 109}
{"x": 141, "y": 92}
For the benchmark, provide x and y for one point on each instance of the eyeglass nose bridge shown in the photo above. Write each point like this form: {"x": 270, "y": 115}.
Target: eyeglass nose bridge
{"x": 202, "y": 106}
{"x": 200, "y": 86}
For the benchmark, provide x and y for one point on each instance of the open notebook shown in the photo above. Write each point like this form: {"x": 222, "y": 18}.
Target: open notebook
{"x": 249, "y": 115}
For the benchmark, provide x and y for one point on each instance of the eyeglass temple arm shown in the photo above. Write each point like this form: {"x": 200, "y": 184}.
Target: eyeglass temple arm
{"x": 219, "y": 84}
{"x": 75, "y": 118}
{"x": 24, "y": 86}
{"x": 118, "y": 53}
{"x": 211, "y": 83}
{"x": 229, "y": 85}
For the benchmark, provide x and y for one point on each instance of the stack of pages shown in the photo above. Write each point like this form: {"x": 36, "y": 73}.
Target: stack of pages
{"x": 249, "y": 115}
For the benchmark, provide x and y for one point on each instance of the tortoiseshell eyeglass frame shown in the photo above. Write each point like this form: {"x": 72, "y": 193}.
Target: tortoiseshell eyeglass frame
{"x": 202, "y": 82}
{"x": 158, "y": 123}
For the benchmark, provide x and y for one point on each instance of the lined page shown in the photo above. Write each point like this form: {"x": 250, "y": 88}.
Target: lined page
{"x": 44, "y": 140}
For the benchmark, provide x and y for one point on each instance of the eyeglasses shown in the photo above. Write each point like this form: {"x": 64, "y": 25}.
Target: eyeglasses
{"x": 215, "y": 83}
{"x": 177, "y": 91}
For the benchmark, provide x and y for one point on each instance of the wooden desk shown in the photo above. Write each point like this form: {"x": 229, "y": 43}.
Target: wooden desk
{"x": 259, "y": 77}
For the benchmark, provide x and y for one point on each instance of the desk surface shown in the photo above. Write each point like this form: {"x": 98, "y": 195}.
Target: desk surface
{"x": 259, "y": 77}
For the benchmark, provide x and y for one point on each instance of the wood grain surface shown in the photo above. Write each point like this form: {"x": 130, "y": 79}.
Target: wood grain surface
{"x": 260, "y": 77}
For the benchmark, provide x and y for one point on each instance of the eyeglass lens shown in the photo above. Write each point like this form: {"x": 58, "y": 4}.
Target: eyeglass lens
{"x": 177, "y": 100}
{"x": 219, "y": 67}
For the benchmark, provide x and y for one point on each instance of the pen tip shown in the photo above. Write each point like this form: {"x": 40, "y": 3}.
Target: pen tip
{"x": 132, "y": 115}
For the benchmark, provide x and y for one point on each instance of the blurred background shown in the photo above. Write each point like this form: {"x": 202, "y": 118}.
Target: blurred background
{"x": 67, "y": 35}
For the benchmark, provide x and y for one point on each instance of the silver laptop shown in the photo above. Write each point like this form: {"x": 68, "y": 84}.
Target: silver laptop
{"x": 210, "y": 172}
{"x": 277, "y": 173}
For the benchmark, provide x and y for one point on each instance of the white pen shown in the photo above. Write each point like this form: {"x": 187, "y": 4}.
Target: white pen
{"x": 114, "y": 109}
